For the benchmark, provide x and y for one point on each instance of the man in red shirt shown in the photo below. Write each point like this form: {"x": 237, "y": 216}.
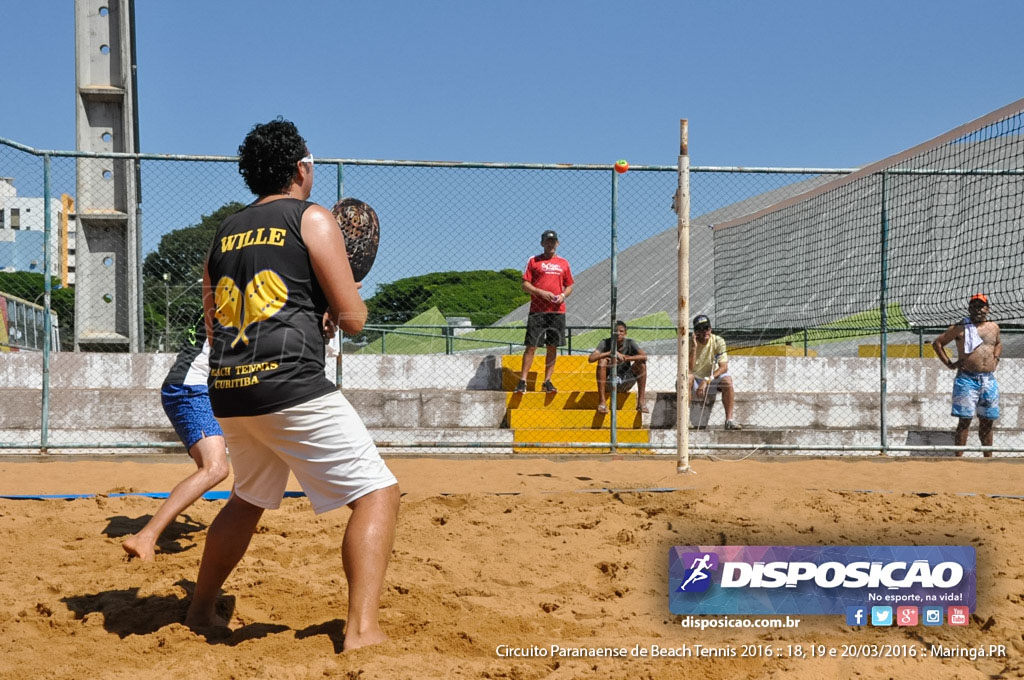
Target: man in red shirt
{"x": 548, "y": 280}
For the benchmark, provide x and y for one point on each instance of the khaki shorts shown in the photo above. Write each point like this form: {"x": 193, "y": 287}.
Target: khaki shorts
{"x": 714, "y": 387}
{"x": 322, "y": 441}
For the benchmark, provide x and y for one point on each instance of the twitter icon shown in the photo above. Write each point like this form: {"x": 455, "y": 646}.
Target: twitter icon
{"x": 881, "y": 616}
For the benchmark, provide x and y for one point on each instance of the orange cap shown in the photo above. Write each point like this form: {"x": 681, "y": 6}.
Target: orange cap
{"x": 979, "y": 296}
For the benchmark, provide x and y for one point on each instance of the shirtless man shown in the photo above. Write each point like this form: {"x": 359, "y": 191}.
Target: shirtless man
{"x": 974, "y": 389}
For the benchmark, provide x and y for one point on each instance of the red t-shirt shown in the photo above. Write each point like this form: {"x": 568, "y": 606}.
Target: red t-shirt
{"x": 552, "y": 275}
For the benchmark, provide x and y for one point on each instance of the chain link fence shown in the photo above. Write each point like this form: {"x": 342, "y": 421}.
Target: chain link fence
{"x": 436, "y": 366}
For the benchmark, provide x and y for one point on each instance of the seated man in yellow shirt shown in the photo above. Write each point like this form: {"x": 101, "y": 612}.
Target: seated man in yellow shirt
{"x": 709, "y": 369}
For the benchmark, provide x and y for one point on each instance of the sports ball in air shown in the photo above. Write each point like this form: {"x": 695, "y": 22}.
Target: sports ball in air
{"x": 361, "y": 229}
{"x": 621, "y": 166}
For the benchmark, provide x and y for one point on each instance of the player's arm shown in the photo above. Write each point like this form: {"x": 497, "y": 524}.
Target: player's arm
{"x": 721, "y": 357}
{"x": 640, "y": 355}
{"x": 565, "y": 292}
{"x": 597, "y": 354}
{"x": 939, "y": 344}
{"x": 537, "y": 292}
{"x": 997, "y": 351}
{"x": 331, "y": 267}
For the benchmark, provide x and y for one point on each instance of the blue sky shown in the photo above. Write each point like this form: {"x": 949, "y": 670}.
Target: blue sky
{"x": 785, "y": 84}
{"x": 782, "y": 83}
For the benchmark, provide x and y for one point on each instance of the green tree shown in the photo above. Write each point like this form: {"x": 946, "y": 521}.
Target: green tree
{"x": 182, "y": 252}
{"x": 484, "y": 296}
{"x": 172, "y": 276}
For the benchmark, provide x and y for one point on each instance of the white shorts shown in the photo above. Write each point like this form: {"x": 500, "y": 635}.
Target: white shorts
{"x": 323, "y": 441}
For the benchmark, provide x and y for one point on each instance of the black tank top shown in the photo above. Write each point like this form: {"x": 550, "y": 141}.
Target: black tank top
{"x": 268, "y": 350}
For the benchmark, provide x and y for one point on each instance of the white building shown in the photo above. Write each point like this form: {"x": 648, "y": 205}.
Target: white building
{"x": 22, "y": 223}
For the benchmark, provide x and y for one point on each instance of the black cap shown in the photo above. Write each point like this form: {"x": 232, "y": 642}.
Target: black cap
{"x": 549, "y": 234}
{"x": 701, "y": 321}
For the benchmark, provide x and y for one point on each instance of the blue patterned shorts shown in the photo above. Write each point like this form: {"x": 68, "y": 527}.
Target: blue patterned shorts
{"x": 975, "y": 394}
{"x": 189, "y": 410}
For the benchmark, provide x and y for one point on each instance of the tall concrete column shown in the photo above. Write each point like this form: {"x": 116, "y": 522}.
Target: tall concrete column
{"x": 107, "y": 248}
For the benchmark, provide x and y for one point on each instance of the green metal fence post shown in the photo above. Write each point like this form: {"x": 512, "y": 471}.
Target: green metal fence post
{"x": 883, "y": 354}
{"x": 44, "y": 421}
{"x": 613, "y": 368}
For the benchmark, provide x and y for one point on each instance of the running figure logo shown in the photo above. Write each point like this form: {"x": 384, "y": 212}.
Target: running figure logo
{"x": 697, "y": 577}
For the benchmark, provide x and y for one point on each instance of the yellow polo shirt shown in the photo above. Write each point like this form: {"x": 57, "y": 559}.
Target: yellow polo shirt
{"x": 709, "y": 356}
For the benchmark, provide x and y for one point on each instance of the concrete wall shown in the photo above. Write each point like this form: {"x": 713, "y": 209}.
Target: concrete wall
{"x": 115, "y": 397}
{"x": 147, "y": 371}
{"x": 797, "y": 375}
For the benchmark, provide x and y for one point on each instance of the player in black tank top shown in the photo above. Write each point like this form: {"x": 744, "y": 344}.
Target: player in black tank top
{"x": 273, "y": 269}
{"x": 268, "y": 348}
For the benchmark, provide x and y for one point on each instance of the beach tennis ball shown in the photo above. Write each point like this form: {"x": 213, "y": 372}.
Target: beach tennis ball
{"x": 621, "y": 166}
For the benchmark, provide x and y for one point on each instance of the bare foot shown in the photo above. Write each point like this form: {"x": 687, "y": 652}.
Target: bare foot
{"x": 353, "y": 641}
{"x": 136, "y": 547}
{"x": 204, "y": 622}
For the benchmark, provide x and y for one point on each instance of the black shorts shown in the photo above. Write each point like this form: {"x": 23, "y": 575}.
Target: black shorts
{"x": 626, "y": 378}
{"x": 545, "y": 328}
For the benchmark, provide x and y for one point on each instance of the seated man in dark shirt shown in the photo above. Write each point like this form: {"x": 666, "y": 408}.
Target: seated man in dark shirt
{"x": 630, "y": 367}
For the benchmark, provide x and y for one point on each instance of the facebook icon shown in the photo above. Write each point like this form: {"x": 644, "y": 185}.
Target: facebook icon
{"x": 856, "y": 616}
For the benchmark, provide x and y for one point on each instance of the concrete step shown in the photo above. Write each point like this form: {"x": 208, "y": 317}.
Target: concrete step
{"x": 551, "y": 436}
{"x": 571, "y": 373}
{"x": 113, "y": 409}
{"x": 520, "y": 418}
{"x": 562, "y": 381}
{"x": 565, "y": 435}
{"x": 576, "y": 363}
{"x": 818, "y": 442}
{"x": 577, "y": 399}
{"x": 838, "y": 410}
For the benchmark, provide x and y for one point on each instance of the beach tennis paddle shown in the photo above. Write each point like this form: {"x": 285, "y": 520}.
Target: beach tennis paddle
{"x": 361, "y": 229}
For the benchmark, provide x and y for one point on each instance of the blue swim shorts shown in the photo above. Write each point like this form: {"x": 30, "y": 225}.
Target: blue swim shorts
{"x": 975, "y": 394}
{"x": 189, "y": 410}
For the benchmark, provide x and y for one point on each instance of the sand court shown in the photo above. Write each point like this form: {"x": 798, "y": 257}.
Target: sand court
{"x": 494, "y": 560}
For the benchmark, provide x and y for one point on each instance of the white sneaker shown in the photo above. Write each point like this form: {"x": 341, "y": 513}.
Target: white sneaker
{"x": 732, "y": 425}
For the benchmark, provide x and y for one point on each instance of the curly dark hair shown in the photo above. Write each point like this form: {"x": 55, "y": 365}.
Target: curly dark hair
{"x": 268, "y": 156}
